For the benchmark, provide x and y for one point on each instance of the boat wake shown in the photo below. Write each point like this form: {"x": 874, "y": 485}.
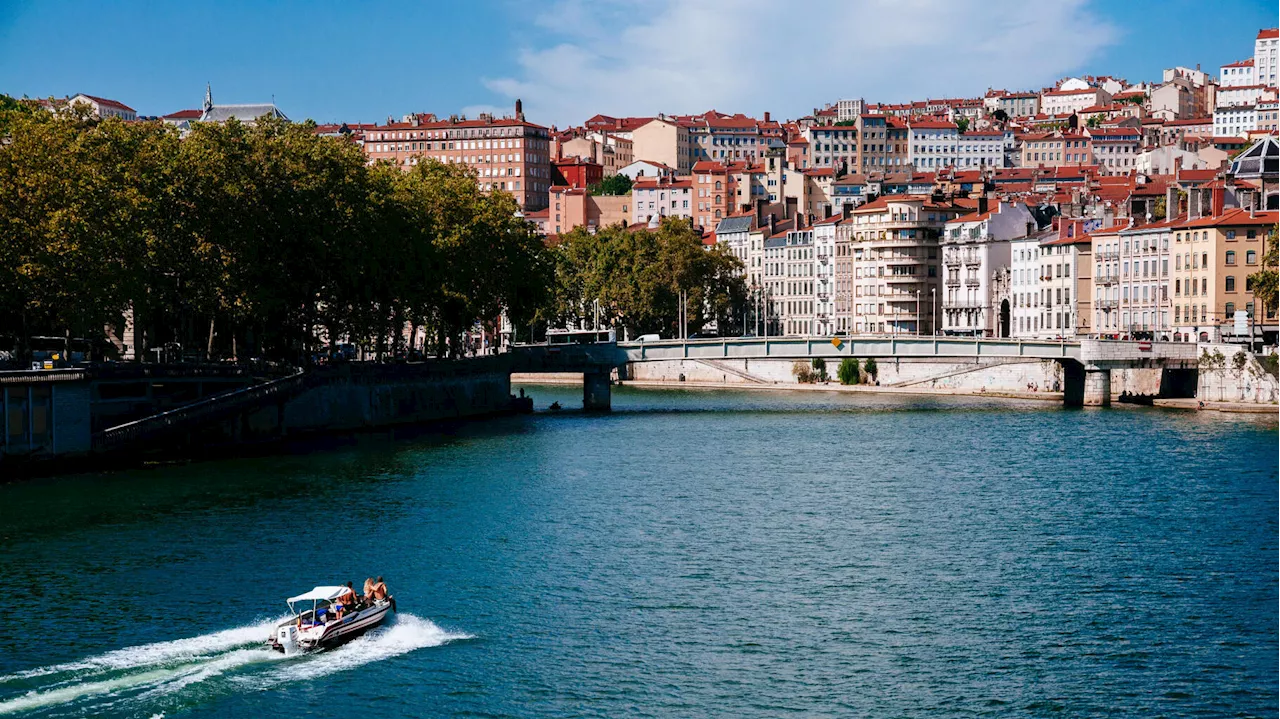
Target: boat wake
{"x": 168, "y": 676}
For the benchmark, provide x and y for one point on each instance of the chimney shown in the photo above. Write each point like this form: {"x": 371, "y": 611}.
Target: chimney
{"x": 788, "y": 210}
{"x": 982, "y": 204}
{"x": 519, "y": 110}
{"x": 846, "y": 210}
{"x": 760, "y": 203}
{"x": 826, "y": 210}
{"x": 766, "y": 115}
{"x": 773, "y": 224}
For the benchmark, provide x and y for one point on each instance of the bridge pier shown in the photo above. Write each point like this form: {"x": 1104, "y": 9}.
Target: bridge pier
{"x": 1072, "y": 384}
{"x": 596, "y": 391}
{"x": 1097, "y": 387}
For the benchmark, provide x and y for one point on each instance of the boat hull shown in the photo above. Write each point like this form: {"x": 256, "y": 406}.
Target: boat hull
{"x": 340, "y": 632}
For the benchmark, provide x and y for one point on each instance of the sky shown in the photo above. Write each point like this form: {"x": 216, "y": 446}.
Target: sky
{"x": 570, "y": 59}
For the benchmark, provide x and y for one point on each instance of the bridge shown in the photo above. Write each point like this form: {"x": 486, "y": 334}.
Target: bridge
{"x": 1087, "y": 364}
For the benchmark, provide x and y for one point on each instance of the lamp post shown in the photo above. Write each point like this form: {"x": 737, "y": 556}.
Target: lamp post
{"x": 933, "y": 310}
{"x": 917, "y": 312}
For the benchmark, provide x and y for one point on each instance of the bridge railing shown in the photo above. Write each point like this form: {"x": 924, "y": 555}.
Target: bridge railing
{"x": 808, "y": 347}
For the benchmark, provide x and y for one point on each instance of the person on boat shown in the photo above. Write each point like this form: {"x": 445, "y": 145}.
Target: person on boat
{"x": 346, "y": 601}
{"x": 368, "y": 589}
{"x": 380, "y": 589}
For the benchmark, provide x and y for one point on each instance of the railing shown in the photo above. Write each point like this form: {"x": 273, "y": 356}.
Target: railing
{"x": 197, "y": 412}
{"x": 1106, "y": 304}
{"x": 1108, "y": 279}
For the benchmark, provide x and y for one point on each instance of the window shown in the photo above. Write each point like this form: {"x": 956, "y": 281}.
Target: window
{"x": 1231, "y": 257}
{"x": 1231, "y": 234}
{"x": 1250, "y": 257}
{"x": 1231, "y": 309}
{"x": 1231, "y": 283}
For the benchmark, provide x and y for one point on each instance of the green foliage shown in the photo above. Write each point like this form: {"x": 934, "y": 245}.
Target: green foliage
{"x": 962, "y": 124}
{"x": 847, "y": 123}
{"x": 1094, "y": 121}
{"x": 1270, "y": 363}
{"x": 1212, "y": 360}
{"x": 1239, "y": 359}
{"x": 848, "y": 371}
{"x": 1264, "y": 281}
{"x": 612, "y": 185}
{"x": 637, "y": 277}
{"x": 1159, "y": 209}
{"x": 1000, "y": 115}
{"x": 820, "y": 369}
{"x": 265, "y": 241}
{"x": 872, "y": 370}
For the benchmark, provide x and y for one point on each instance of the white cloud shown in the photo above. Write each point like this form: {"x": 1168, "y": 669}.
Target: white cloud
{"x": 684, "y": 56}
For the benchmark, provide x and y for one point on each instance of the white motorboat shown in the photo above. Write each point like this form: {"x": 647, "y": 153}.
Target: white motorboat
{"x": 320, "y": 621}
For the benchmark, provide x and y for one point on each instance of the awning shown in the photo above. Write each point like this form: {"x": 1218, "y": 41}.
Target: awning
{"x": 321, "y": 594}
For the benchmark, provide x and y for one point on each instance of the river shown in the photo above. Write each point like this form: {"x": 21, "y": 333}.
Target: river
{"x": 692, "y": 553}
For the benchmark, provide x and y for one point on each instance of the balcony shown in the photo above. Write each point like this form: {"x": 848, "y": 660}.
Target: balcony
{"x": 1106, "y": 304}
{"x": 1107, "y": 279}
{"x": 953, "y": 282}
{"x": 1104, "y": 256}
{"x": 903, "y": 278}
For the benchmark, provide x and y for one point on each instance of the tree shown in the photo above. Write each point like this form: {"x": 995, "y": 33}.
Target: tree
{"x": 962, "y": 124}
{"x": 1000, "y": 115}
{"x": 1094, "y": 121}
{"x": 612, "y": 185}
{"x": 848, "y": 371}
{"x": 872, "y": 370}
{"x": 1264, "y": 281}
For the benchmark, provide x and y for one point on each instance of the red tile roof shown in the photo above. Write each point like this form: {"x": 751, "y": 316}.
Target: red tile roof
{"x": 1268, "y": 33}
{"x": 1234, "y": 218}
{"x": 184, "y": 115}
{"x": 111, "y": 103}
{"x": 1247, "y": 62}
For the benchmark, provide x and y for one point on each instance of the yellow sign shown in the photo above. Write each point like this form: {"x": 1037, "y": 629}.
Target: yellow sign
{"x": 837, "y": 342}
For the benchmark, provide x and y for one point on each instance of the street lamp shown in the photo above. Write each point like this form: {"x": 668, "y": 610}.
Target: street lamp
{"x": 933, "y": 309}
{"x": 917, "y": 312}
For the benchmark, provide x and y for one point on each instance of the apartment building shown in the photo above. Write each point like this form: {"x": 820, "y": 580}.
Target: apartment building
{"x": 978, "y": 149}
{"x": 1014, "y": 104}
{"x": 714, "y": 193}
{"x": 102, "y": 108}
{"x": 1131, "y": 280}
{"x": 1056, "y": 149}
{"x": 661, "y": 197}
{"x": 665, "y": 141}
{"x": 1067, "y": 102}
{"x": 1051, "y": 280}
{"x": 825, "y": 315}
{"x": 797, "y": 302}
{"x": 833, "y": 146}
{"x": 1235, "y": 120}
{"x": 895, "y": 246}
{"x": 1236, "y": 73}
{"x": 724, "y": 138}
{"x": 873, "y": 131}
{"x": 1212, "y": 259}
{"x": 976, "y": 252}
{"x": 507, "y": 154}
{"x": 932, "y": 144}
{"x": 572, "y": 207}
{"x": 1264, "y": 56}
{"x": 1114, "y": 149}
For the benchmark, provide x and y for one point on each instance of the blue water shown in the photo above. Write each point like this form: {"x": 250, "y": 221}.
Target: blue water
{"x": 690, "y": 554}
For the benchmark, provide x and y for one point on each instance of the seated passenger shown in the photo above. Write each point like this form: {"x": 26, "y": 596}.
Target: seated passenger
{"x": 380, "y": 589}
{"x": 368, "y": 589}
{"x": 346, "y": 601}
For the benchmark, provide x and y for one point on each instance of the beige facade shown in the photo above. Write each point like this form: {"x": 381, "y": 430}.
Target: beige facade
{"x": 1213, "y": 257}
{"x": 665, "y": 141}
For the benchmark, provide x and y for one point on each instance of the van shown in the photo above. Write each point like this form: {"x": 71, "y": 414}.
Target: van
{"x": 648, "y": 338}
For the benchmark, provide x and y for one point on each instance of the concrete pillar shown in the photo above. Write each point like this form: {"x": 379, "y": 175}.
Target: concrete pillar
{"x": 596, "y": 391}
{"x": 1097, "y": 387}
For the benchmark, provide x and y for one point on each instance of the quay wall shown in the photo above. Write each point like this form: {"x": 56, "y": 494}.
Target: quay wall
{"x": 1249, "y": 384}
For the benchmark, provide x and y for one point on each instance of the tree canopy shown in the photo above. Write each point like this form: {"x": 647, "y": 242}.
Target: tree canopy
{"x": 266, "y": 237}
{"x": 612, "y": 185}
{"x": 637, "y": 277}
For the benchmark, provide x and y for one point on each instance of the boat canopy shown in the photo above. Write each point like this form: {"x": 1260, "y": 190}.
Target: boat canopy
{"x": 319, "y": 594}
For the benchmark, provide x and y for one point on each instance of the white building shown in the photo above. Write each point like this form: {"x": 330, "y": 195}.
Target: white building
{"x": 1050, "y": 278}
{"x": 824, "y": 275}
{"x": 980, "y": 149}
{"x": 798, "y": 301}
{"x": 1235, "y": 120}
{"x": 1244, "y": 95}
{"x": 659, "y": 197}
{"x": 735, "y": 233}
{"x": 1264, "y": 56}
{"x": 1115, "y": 149}
{"x": 1236, "y": 74}
{"x": 932, "y": 144}
{"x": 976, "y": 249}
{"x": 1066, "y": 102}
{"x": 103, "y": 108}
{"x": 849, "y": 109}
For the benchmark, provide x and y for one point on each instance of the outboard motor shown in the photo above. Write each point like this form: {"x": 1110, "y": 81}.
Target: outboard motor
{"x": 287, "y": 638}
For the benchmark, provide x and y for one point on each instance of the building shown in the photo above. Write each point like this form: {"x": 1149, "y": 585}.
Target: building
{"x": 102, "y": 108}
{"x": 572, "y": 207}
{"x": 1014, "y": 104}
{"x": 873, "y": 131}
{"x": 1115, "y": 149}
{"x": 247, "y": 114}
{"x": 1236, "y": 73}
{"x": 1067, "y": 102}
{"x": 1213, "y": 257}
{"x": 980, "y": 149}
{"x": 833, "y": 146}
{"x": 1264, "y": 56}
{"x": 507, "y": 154}
{"x": 1131, "y": 280}
{"x": 664, "y": 141}
{"x": 576, "y": 172}
{"x": 1235, "y": 120}
{"x": 1051, "y": 276}
{"x": 895, "y": 246}
{"x": 976, "y": 254}
{"x": 797, "y": 300}
{"x": 1245, "y": 95}
{"x": 849, "y": 110}
{"x": 661, "y": 197}
{"x": 715, "y": 193}
{"x": 1056, "y": 149}
{"x": 611, "y": 152}
{"x": 731, "y": 138}
{"x": 932, "y": 143}
{"x": 825, "y": 288}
